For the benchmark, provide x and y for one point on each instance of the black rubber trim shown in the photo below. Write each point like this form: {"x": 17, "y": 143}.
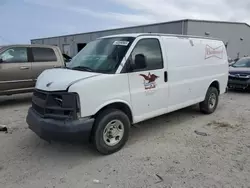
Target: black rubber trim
{"x": 51, "y": 129}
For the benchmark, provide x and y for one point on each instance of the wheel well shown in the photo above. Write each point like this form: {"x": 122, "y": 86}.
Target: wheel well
{"x": 216, "y": 85}
{"x": 120, "y": 106}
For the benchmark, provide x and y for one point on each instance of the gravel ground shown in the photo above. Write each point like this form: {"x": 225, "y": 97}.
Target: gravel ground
{"x": 181, "y": 149}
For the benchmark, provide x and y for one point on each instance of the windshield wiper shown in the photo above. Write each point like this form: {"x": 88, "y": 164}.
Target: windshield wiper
{"x": 82, "y": 68}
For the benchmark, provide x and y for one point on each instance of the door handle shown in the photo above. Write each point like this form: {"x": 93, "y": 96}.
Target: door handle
{"x": 24, "y": 68}
{"x": 56, "y": 66}
{"x": 165, "y": 76}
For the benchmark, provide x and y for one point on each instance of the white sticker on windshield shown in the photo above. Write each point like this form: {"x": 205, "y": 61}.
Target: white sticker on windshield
{"x": 121, "y": 43}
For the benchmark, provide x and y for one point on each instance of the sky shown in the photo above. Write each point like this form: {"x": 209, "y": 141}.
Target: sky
{"x": 22, "y": 20}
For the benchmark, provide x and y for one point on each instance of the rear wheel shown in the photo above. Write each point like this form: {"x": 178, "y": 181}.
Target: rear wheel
{"x": 209, "y": 105}
{"x": 111, "y": 131}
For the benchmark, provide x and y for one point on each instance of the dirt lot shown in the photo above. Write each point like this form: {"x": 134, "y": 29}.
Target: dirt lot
{"x": 161, "y": 153}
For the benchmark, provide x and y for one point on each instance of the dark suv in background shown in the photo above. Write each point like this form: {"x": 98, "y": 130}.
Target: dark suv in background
{"x": 239, "y": 74}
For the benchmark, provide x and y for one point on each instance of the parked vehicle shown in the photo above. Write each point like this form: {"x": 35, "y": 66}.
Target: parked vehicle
{"x": 20, "y": 65}
{"x": 121, "y": 80}
{"x": 239, "y": 74}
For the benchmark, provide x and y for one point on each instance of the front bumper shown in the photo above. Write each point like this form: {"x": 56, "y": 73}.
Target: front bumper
{"x": 50, "y": 129}
{"x": 238, "y": 84}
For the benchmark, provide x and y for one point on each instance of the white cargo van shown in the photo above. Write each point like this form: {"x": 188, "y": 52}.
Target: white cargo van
{"x": 120, "y": 80}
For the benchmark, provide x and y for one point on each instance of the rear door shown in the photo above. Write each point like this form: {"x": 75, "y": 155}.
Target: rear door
{"x": 15, "y": 69}
{"x": 43, "y": 58}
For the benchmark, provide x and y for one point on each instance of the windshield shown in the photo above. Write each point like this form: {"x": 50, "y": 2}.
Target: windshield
{"x": 244, "y": 62}
{"x": 102, "y": 55}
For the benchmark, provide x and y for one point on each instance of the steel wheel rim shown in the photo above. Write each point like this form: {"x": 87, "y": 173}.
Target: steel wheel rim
{"x": 113, "y": 132}
{"x": 212, "y": 101}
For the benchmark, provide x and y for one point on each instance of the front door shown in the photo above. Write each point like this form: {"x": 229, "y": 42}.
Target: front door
{"x": 15, "y": 69}
{"x": 148, "y": 82}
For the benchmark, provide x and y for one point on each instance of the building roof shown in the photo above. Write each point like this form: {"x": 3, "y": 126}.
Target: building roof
{"x": 214, "y": 21}
{"x": 160, "y": 23}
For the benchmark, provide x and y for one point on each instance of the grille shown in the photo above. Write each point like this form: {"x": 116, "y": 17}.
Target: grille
{"x": 238, "y": 78}
{"x": 56, "y": 105}
{"x": 38, "y": 102}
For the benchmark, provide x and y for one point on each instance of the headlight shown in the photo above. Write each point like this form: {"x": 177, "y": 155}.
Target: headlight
{"x": 58, "y": 105}
{"x": 64, "y": 103}
{"x": 78, "y": 106}
{"x": 64, "y": 100}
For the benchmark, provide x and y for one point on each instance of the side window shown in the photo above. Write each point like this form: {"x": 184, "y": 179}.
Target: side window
{"x": 43, "y": 54}
{"x": 14, "y": 55}
{"x": 147, "y": 55}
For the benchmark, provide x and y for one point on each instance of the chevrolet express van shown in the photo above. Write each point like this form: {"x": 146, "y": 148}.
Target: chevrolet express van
{"x": 116, "y": 81}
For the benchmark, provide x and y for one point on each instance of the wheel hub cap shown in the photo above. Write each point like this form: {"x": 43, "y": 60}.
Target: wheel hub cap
{"x": 113, "y": 132}
{"x": 212, "y": 100}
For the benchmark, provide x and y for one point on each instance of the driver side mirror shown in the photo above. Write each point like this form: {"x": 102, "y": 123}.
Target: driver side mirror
{"x": 1, "y": 60}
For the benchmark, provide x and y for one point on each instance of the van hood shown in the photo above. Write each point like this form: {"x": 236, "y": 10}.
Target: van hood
{"x": 60, "y": 79}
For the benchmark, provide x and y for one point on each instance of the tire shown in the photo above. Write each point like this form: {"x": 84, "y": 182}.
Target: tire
{"x": 104, "y": 123}
{"x": 206, "y": 106}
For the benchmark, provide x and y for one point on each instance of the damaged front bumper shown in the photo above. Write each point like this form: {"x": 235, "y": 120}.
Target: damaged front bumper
{"x": 65, "y": 130}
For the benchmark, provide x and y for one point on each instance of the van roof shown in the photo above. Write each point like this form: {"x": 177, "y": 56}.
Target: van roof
{"x": 158, "y": 34}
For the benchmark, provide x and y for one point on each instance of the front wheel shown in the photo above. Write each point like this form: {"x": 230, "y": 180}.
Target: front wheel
{"x": 111, "y": 131}
{"x": 209, "y": 105}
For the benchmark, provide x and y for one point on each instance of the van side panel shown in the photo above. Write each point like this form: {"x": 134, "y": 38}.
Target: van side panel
{"x": 193, "y": 64}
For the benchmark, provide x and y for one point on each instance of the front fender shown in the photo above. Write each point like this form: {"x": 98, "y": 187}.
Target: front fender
{"x": 112, "y": 102}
